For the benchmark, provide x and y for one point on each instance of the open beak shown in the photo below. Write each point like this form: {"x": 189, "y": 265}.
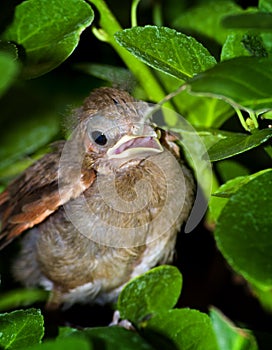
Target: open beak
{"x": 130, "y": 146}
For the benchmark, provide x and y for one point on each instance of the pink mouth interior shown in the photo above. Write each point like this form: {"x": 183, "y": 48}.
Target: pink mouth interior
{"x": 138, "y": 142}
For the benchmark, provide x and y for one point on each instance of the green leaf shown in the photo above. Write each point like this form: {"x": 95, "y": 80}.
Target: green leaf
{"x": 8, "y": 71}
{"x": 195, "y": 152}
{"x": 201, "y": 112}
{"x": 238, "y": 143}
{"x": 229, "y": 169}
{"x": 186, "y": 329}
{"x": 230, "y": 337}
{"x": 257, "y": 21}
{"x": 243, "y": 81}
{"x": 265, "y": 5}
{"x": 21, "y": 328}
{"x": 220, "y": 197}
{"x": 118, "y": 76}
{"x": 26, "y": 136}
{"x": 167, "y": 50}
{"x": 267, "y": 40}
{"x": 267, "y": 115}
{"x": 21, "y": 297}
{"x": 233, "y": 47}
{"x": 264, "y": 297}
{"x": 65, "y": 331}
{"x": 243, "y": 230}
{"x": 216, "y": 205}
{"x": 13, "y": 169}
{"x": 204, "y": 112}
{"x": 154, "y": 291}
{"x": 244, "y": 44}
{"x": 48, "y": 31}
{"x": 255, "y": 45}
{"x": 212, "y": 136}
{"x": 205, "y": 18}
{"x": 63, "y": 344}
{"x": 10, "y": 49}
{"x": 110, "y": 338}
{"x": 233, "y": 185}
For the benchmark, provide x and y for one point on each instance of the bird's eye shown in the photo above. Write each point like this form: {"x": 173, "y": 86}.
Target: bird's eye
{"x": 99, "y": 138}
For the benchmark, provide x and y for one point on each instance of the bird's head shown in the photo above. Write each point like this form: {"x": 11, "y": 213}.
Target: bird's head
{"x": 116, "y": 132}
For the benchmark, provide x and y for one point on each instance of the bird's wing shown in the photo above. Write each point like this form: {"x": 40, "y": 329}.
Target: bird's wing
{"x": 35, "y": 195}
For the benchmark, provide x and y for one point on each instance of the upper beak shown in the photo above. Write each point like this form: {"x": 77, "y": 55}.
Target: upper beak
{"x": 129, "y": 146}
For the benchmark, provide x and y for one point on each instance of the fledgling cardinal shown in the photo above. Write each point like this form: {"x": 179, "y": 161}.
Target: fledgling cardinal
{"x": 102, "y": 207}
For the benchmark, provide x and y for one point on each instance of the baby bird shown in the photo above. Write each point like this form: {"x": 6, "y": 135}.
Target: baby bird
{"x": 102, "y": 207}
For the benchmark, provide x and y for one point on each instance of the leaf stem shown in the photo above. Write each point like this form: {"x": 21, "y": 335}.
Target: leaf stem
{"x": 134, "y": 6}
{"x": 157, "y": 14}
{"x": 110, "y": 26}
{"x": 252, "y": 116}
{"x": 241, "y": 118}
{"x": 268, "y": 150}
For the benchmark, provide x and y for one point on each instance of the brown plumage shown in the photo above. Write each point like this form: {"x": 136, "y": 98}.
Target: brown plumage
{"x": 102, "y": 207}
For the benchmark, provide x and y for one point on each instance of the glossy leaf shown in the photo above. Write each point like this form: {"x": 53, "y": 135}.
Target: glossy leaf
{"x": 14, "y": 168}
{"x": 205, "y": 18}
{"x": 63, "y": 344}
{"x": 118, "y": 76}
{"x": 21, "y": 297}
{"x": 267, "y": 115}
{"x": 233, "y": 185}
{"x": 264, "y": 297}
{"x": 221, "y": 196}
{"x": 238, "y": 143}
{"x": 259, "y": 20}
{"x": 8, "y": 71}
{"x": 233, "y": 47}
{"x": 10, "y": 49}
{"x": 48, "y": 31}
{"x": 216, "y": 205}
{"x": 152, "y": 292}
{"x": 212, "y": 136}
{"x": 65, "y": 331}
{"x": 186, "y": 329}
{"x": 243, "y": 81}
{"x": 244, "y": 44}
{"x": 195, "y": 152}
{"x": 201, "y": 112}
{"x": 21, "y": 328}
{"x": 230, "y": 337}
{"x": 229, "y": 169}
{"x": 110, "y": 338}
{"x": 204, "y": 112}
{"x": 27, "y": 136}
{"x": 265, "y": 5}
{"x": 243, "y": 230}
{"x": 167, "y": 50}
{"x": 255, "y": 45}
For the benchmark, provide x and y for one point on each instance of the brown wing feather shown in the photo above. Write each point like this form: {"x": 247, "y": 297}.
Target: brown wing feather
{"x": 34, "y": 196}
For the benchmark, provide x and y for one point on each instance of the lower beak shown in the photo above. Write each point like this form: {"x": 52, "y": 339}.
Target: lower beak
{"x": 130, "y": 146}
